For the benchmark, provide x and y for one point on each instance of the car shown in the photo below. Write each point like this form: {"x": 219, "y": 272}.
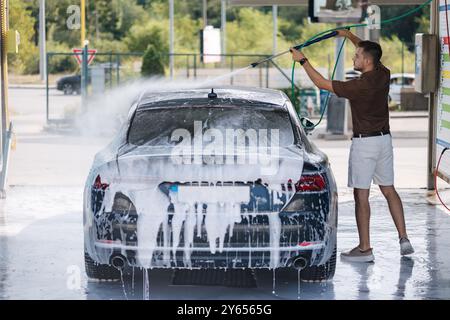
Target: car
{"x": 352, "y": 74}
{"x": 207, "y": 180}
{"x": 69, "y": 84}
{"x": 399, "y": 81}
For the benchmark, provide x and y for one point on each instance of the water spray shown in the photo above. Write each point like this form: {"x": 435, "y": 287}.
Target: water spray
{"x": 298, "y": 47}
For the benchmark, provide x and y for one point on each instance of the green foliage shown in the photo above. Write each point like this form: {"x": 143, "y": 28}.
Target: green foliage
{"x": 152, "y": 64}
{"x": 155, "y": 57}
{"x": 251, "y": 32}
{"x": 105, "y": 44}
{"x": 404, "y": 29}
{"x": 392, "y": 55}
{"x": 423, "y": 24}
{"x": 134, "y": 25}
{"x": 322, "y": 53}
{"x": 114, "y": 16}
{"x": 61, "y": 63}
{"x": 27, "y": 61}
{"x": 141, "y": 36}
{"x": 57, "y": 30}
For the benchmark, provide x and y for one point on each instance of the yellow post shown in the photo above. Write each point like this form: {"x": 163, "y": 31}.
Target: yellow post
{"x": 4, "y": 65}
{"x": 83, "y": 21}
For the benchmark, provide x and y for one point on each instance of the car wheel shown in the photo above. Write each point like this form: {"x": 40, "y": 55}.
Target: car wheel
{"x": 320, "y": 273}
{"x": 68, "y": 89}
{"x": 95, "y": 270}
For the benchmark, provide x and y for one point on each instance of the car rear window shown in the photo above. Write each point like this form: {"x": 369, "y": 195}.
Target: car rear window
{"x": 155, "y": 127}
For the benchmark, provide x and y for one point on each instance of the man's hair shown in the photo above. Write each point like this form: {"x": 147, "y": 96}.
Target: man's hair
{"x": 373, "y": 49}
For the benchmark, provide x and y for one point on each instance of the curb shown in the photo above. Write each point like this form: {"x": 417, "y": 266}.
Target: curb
{"x": 33, "y": 87}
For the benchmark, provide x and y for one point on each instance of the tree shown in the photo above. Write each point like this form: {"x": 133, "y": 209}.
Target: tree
{"x": 20, "y": 18}
{"x": 57, "y": 29}
{"x": 115, "y": 17}
{"x": 152, "y": 64}
{"x": 406, "y": 28}
{"x": 155, "y": 57}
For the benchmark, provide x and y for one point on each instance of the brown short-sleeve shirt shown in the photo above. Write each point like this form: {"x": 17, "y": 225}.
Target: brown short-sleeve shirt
{"x": 368, "y": 97}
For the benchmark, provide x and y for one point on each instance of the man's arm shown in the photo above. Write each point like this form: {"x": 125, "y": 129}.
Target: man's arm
{"x": 346, "y": 33}
{"x": 313, "y": 74}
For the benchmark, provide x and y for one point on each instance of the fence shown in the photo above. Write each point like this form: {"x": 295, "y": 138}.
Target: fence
{"x": 119, "y": 68}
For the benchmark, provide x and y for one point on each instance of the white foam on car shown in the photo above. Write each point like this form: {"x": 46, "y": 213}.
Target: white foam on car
{"x": 223, "y": 204}
{"x": 140, "y": 176}
{"x": 223, "y": 211}
{"x": 207, "y": 194}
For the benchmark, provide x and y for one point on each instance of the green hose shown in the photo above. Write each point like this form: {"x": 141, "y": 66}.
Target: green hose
{"x": 407, "y": 13}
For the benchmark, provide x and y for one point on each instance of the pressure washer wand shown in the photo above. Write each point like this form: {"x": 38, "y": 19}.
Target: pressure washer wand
{"x": 300, "y": 46}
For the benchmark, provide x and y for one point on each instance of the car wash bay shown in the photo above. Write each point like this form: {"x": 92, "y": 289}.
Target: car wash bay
{"x": 41, "y": 227}
{"x": 41, "y": 240}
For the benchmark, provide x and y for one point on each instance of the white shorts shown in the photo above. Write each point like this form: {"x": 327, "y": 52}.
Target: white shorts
{"x": 370, "y": 159}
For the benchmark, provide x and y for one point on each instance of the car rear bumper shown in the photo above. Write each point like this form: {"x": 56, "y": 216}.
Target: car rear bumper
{"x": 201, "y": 257}
{"x": 252, "y": 245}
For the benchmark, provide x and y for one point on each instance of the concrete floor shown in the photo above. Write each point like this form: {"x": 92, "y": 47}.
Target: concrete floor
{"x": 41, "y": 236}
{"x": 41, "y": 248}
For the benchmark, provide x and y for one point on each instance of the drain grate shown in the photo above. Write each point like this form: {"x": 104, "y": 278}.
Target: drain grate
{"x": 215, "y": 277}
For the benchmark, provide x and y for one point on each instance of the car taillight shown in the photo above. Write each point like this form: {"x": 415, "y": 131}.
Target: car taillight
{"x": 99, "y": 185}
{"x": 313, "y": 182}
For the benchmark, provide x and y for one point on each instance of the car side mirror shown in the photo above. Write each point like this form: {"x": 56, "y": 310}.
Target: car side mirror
{"x": 307, "y": 124}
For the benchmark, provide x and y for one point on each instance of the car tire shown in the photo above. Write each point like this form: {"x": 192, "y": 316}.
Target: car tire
{"x": 68, "y": 89}
{"x": 98, "y": 271}
{"x": 320, "y": 273}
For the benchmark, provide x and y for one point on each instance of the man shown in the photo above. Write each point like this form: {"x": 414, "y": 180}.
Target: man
{"x": 371, "y": 156}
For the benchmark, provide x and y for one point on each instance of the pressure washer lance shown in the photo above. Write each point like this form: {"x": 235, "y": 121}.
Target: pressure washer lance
{"x": 298, "y": 47}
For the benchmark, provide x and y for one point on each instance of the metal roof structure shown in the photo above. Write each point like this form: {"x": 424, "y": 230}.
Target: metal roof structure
{"x": 305, "y": 2}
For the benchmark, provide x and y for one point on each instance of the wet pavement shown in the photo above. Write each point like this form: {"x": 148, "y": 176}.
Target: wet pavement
{"x": 41, "y": 248}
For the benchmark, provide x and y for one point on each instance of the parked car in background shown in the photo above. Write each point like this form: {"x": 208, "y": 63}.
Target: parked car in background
{"x": 352, "y": 74}
{"x": 399, "y": 81}
{"x": 155, "y": 199}
{"x": 69, "y": 84}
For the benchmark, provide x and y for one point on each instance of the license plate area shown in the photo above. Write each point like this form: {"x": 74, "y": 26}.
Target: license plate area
{"x": 211, "y": 194}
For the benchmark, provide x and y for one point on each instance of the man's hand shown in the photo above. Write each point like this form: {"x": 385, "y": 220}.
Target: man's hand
{"x": 315, "y": 76}
{"x": 296, "y": 54}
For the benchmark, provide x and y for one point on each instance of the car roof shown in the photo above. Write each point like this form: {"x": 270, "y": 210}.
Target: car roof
{"x": 231, "y": 95}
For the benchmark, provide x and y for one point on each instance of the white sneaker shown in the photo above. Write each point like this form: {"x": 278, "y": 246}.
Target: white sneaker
{"x": 405, "y": 247}
{"x": 358, "y": 255}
